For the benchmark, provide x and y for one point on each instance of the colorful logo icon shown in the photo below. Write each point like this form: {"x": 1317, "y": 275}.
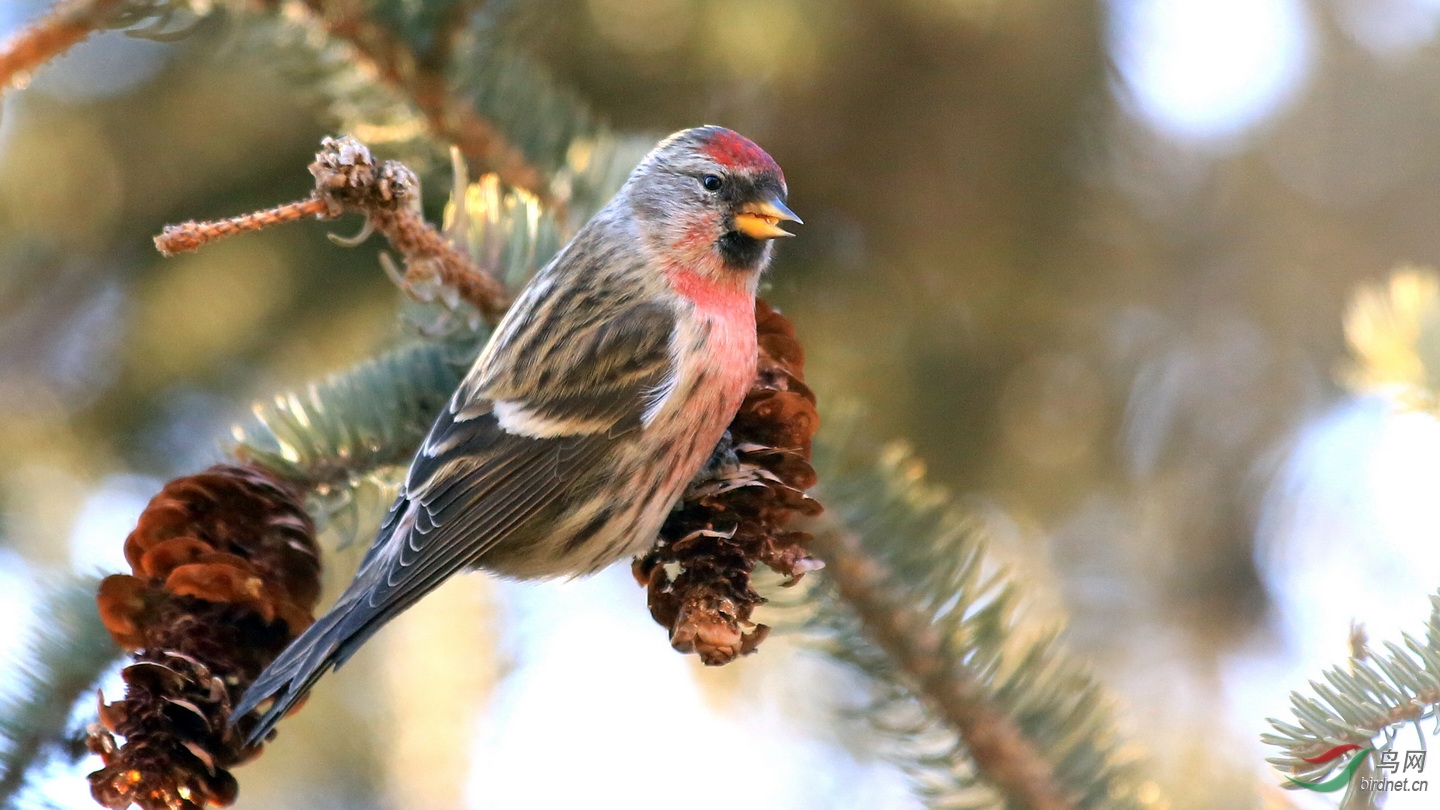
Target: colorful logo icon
{"x": 1339, "y": 780}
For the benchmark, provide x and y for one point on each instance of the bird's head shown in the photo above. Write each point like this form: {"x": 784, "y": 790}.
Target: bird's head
{"x": 710, "y": 198}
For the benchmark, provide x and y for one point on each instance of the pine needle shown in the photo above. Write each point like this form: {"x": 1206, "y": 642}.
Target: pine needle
{"x": 940, "y": 575}
{"x": 68, "y": 650}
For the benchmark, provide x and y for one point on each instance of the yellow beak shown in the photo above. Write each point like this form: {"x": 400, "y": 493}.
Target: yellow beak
{"x": 758, "y": 220}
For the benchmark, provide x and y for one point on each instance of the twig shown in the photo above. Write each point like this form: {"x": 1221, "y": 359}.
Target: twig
{"x": 348, "y": 179}
{"x": 67, "y": 24}
{"x": 188, "y": 236}
{"x": 422, "y": 80}
{"x": 1001, "y": 753}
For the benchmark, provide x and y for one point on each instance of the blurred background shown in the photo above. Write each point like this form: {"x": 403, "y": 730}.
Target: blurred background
{"x": 1091, "y": 259}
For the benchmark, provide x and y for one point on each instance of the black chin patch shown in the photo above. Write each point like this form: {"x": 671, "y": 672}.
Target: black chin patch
{"x": 740, "y": 252}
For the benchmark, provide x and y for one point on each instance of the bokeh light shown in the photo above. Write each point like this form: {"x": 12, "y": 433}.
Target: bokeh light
{"x": 1208, "y": 70}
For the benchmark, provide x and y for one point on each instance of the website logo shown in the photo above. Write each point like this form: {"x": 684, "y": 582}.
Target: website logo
{"x": 1341, "y": 779}
{"x": 1388, "y": 768}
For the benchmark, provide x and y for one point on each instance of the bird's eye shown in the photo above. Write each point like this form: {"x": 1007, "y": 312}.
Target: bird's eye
{"x": 712, "y": 182}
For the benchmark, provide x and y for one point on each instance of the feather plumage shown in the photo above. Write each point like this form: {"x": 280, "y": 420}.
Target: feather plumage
{"x": 603, "y": 390}
{"x": 477, "y": 485}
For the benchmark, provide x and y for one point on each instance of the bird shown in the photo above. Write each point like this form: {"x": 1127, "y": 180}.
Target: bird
{"x": 602, "y": 392}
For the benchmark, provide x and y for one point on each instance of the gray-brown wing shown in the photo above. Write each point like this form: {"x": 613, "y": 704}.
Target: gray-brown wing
{"x": 477, "y": 480}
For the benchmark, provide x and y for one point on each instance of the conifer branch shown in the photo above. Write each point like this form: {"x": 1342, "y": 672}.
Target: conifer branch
{"x": 1002, "y": 754}
{"x": 68, "y": 650}
{"x": 69, "y": 23}
{"x": 1360, "y": 701}
{"x": 981, "y": 706}
{"x": 355, "y": 428}
{"x": 191, "y": 236}
{"x": 422, "y": 80}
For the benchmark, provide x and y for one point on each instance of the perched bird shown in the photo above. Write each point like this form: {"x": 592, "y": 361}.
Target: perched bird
{"x": 602, "y": 392}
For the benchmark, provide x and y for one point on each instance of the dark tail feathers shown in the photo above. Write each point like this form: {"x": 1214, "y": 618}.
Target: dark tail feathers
{"x": 325, "y": 645}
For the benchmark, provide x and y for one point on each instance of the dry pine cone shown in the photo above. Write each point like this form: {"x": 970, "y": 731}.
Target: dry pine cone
{"x": 225, "y": 572}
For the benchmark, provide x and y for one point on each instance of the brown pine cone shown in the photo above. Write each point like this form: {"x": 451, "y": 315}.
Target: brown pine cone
{"x": 224, "y": 573}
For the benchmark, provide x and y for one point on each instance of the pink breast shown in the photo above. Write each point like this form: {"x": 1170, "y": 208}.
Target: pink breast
{"x": 728, "y": 361}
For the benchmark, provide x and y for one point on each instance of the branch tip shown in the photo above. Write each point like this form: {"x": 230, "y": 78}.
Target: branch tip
{"x": 421, "y": 79}
{"x": 68, "y": 23}
{"x": 191, "y": 236}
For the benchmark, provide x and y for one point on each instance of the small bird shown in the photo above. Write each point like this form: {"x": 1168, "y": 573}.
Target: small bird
{"x": 603, "y": 391}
